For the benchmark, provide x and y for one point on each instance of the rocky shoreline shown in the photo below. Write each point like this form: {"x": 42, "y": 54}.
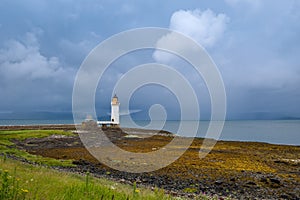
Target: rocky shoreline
{"x": 240, "y": 170}
{"x": 38, "y": 127}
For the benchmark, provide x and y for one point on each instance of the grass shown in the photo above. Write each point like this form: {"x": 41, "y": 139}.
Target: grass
{"x": 24, "y": 181}
{"x": 19, "y": 181}
{"x": 8, "y": 147}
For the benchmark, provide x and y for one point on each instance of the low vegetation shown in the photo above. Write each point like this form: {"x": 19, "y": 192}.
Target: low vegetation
{"x": 8, "y": 147}
{"x": 231, "y": 169}
{"x": 24, "y": 181}
{"x": 19, "y": 180}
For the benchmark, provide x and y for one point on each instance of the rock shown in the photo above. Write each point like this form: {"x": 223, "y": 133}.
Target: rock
{"x": 145, "y": 180}
{"x": 264, "y": 180}
{"x": 138, "y": 181}
{"x": 284, "y": 196}
{"x": 218, "y": 182}
{"x": 293, "y": 162}
{"x": 122, "y": 180}
{"x": 80, "y": 162}
{"x": 251, "y": 183}
{"x": 274, "y": 180}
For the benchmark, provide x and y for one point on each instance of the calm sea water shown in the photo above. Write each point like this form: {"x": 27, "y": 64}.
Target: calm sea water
{"x": 33, "y": 122}
{"x": 271, "y": 131}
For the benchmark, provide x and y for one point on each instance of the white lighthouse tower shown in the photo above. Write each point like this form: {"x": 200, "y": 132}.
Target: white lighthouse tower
{"x": 115, "y": 115}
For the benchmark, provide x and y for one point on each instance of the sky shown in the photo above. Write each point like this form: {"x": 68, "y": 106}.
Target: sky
{"x": 255, "y": 45}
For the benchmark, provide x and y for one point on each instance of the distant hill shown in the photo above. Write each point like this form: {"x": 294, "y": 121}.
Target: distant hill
{"x": 43, "y": 115}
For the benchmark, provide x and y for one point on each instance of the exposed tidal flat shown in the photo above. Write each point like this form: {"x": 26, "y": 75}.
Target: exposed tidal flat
{"x": 269, "y": 131}
{"x": 248, "y": 170}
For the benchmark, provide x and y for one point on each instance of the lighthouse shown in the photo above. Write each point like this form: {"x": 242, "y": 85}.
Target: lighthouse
{"x": 115, "y": 115}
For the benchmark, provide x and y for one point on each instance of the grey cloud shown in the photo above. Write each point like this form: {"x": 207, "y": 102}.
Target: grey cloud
{"x": 257, "y": 51}
{"x": 29, "y": 79}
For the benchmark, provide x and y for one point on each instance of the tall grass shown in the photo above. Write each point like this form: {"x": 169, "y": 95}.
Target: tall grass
{"x": 10, "y": 189}
{"x": 24, "y": 181}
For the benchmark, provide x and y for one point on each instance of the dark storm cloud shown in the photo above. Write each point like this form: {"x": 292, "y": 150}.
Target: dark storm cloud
{"x": 254, "y": 43}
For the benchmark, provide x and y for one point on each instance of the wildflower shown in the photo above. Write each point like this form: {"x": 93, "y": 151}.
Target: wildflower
{"x": 112, "y": 187}
{"x": 24, "y": 190}
{"x": 31, "y": 179}
{"x": 6, "y": 171}
{"x": 137, "y": 191}
{"x": 18, "y": 179}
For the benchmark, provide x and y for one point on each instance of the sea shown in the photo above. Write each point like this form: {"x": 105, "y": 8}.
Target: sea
{"x": 285, "y": 132}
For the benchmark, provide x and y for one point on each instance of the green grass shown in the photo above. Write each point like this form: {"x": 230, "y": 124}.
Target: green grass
{"x": 24, "y": 181}
{"x": 8, "y": 147}
{"x": 23, "y": 134}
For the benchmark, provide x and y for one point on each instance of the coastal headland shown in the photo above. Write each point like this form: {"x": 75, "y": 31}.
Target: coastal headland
{"x": 241, "y": 170}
